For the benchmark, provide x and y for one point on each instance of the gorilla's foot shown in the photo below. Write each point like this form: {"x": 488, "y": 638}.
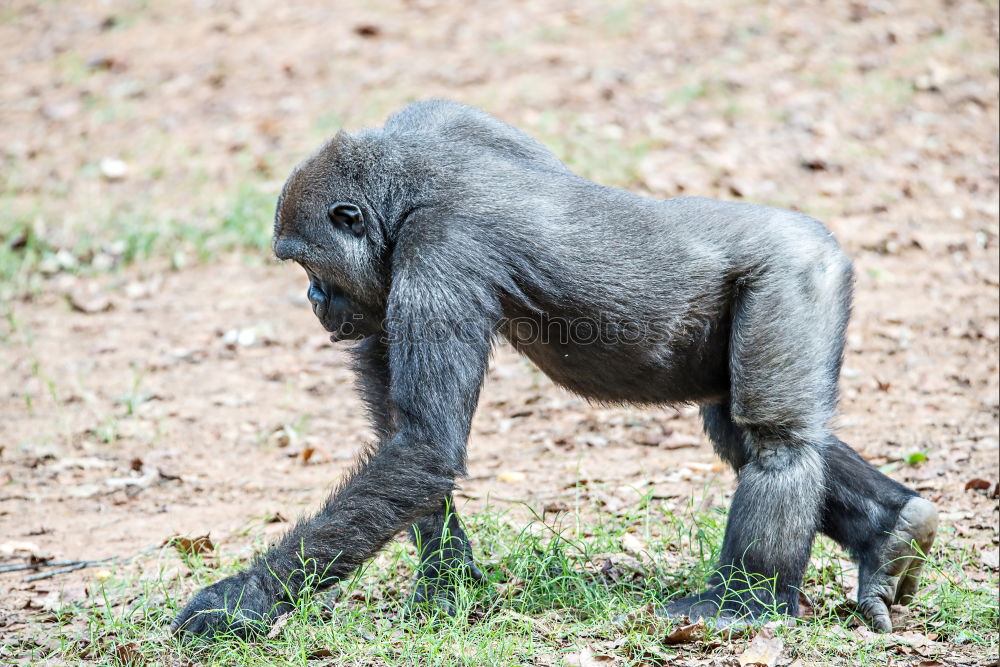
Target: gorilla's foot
{"x": 891, "y": 575}
{"x": 722, "y": 608}
{"x": 242, "y": 606}
{"x": 438, "y": 583}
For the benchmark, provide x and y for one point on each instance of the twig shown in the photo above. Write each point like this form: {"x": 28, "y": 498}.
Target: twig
{"x": 72, "y": 568}
{"x": 72, "y": 565}
{"x": 40, "y": 565}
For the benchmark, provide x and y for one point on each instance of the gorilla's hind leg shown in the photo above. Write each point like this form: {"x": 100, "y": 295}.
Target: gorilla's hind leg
{"x": 887, "y": 528}
{"x": 769, "y": 533}
{"x": 785, "y": 347}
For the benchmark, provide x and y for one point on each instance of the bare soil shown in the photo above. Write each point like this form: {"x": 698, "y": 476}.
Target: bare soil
{"x": 149, "y": 401}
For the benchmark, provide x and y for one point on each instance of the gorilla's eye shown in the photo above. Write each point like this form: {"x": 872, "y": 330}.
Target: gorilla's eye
{"x": 348, "y": 217}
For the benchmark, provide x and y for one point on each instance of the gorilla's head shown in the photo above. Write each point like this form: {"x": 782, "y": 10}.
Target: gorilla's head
{"x": 326, "y": 222}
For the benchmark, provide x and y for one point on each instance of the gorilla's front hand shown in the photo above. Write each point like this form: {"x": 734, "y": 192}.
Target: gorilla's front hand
{"x": 243, "y": 605}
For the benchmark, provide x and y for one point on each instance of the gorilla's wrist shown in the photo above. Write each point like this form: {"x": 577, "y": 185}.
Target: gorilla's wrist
{"x": 287, "y": 578}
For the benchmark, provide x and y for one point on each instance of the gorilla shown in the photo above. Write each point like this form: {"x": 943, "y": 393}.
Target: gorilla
{"x": 447, "y": 230}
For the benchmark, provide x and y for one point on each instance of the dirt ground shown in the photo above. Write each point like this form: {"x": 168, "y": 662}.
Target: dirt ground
{"x": 163, "y": 397}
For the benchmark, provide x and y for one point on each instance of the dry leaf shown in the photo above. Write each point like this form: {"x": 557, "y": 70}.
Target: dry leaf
{"x": 319, "y": 654}
{"x": 763, "y": 651}
{"x": 587, "y": 658}
{"x": 805, "y": 606}
{"x": 279, "y": 624}
{"x": 685, "y": 633}
{"x": 511, "y": 476}
{"x": 129, "y": 655}
{"x": 189, "y": 546}
{"x": 978, "y": 484}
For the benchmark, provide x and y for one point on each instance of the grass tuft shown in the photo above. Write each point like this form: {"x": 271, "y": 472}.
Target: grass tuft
{"x": 554, "y": 585}
{"x": 28, "y": 257}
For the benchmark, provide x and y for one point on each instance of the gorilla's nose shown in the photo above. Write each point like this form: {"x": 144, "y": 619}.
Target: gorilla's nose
{"x": 318, "y": 300}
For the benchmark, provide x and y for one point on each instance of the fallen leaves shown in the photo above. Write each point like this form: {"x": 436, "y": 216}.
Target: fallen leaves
{"x": 279, "y": 625}
{"x": 586, "y": 657}
{"x": 648, "y": 622}
{"x": 129, "y": 655}
{"x": 979, "y": 484}
{"x": 908, "y": 643}
{"x": 763, "y": 651}
{"x": 307, "y": 453}
{"x": 201, "y": 545}
{"x": 688, "y": 632}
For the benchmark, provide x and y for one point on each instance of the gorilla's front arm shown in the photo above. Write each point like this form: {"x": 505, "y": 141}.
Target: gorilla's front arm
{"x": 436, "y": 370}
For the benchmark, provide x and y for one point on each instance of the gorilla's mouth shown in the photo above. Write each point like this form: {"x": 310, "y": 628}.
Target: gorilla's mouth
{"x": 337, "y": 335}
{"x": 343, "y": 328}
{"x": 333, "y": 309}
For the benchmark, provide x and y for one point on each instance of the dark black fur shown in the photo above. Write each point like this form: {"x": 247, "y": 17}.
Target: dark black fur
{"x": 431, "y": 237}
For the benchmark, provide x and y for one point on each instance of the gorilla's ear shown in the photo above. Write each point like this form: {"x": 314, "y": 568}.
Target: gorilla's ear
{"x": 348, "y": 217}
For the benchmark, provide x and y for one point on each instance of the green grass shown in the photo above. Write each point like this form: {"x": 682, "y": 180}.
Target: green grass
{"x": 242, "y": 221}
{"x": 557, "y": 584}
